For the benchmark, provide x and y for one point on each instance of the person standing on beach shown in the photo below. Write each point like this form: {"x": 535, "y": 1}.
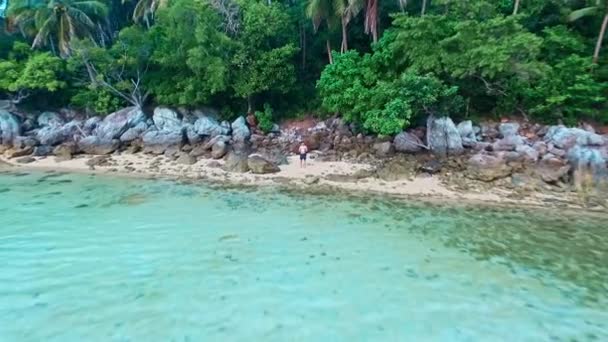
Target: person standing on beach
{"x": 303, "y": 151}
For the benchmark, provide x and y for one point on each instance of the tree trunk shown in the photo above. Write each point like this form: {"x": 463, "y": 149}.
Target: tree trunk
{"x": 600, "y": 39}
{"x": 328, "y": 45}
{"x": 423, "y": 10}
{"x": 516, "y": 7}
{"x": 303, "y": 47}
{"x": 249, "y": 105}
{"x": 371, "y": 19}
{"x": 344, "y": 46}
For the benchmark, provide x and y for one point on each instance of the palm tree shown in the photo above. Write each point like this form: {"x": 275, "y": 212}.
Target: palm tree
{"x": 347, "y": 10}
{"x": 601, "y": 7}
{"x": 516, "y": 7}
{"x": 57, "y": 21}
{"x": 145, "y": 9}
{"x": 324, "y": 11}
{"x": 371, "y": 19}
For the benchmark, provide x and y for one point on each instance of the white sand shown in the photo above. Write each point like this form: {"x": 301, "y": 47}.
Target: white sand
{"x": 142, "y": 165}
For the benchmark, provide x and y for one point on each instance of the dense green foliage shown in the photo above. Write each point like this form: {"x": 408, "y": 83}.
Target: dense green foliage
{"x": 392, "y": 63}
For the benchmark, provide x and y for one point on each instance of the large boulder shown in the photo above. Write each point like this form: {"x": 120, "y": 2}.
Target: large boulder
{"x": 588, "y": 159}
{"x": 166, "y": 119}
{"x": 487, "y": 168}
{"x": 50, "y": 119}
{"x": 208, "y": 126}
{"x": 396, "y": 169}
{"x": 552, "y": 169}
{"x": 157, "y": 142}
{"x": 53, "y": 134}
{"x": 22, "y": 142}
{"x": 467, "y": 133}
{"x": 117, "y": 123}
{"x": 134, "y": 132}
{"x": 529, "y": 154}
{"x": 91, "y": 124}
{"x": 257, "y": 164}
{"x": 42, "y": 151}
{"x": 407, "y": 142}
{"x": 566, "y": 138}
{"x": 65, "y": 151}
{"x": 383, "y": 149}
{"x": 95, "y": 145}
{"x": 50, "y": 135}
{"x": 508, "y": 143}
{"x": 240, "y": 130}
{"x": 191, "y": 134}
{"x": 508, "y": 129}
{"x": 10, "y": 127}
{"x": 443, "y": 137}
{"x": 236, "y": 162}
{"x": 219, "y": 149}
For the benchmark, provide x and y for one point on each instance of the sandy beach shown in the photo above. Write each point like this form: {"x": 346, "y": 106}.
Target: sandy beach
{"x": 318, "y": 175}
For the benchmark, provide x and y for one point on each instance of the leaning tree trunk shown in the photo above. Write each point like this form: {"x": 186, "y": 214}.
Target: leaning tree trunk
{"x": 423, "y": 10}
{"x": 600, "y": 39}
{"x": 344, "y": 45}
{"x": 328, "y": 45}
{"x": 516, "y": 7}
{"x": 371, "y": 19}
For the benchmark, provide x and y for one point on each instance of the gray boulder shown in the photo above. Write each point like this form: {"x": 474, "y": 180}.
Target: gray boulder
{"x": 21, "y": 142}
{"x": 443, "y": 137}
{"x": 209, "y": 127}
{"x": 508, "y": 129}
{"x": 236, "y": 162}
{"x": 219, "y": 149}
{"x": 91, "y": 124}
{"x": 50, "y": 135}
{"x": 65, "y": 151}
{"x": 43, "y": 150}
{"x": 50, "y": 119}
{"x": 192, "y": 134}
{"x": 508, "y": 143}
{"x": 257, "y": 164}
{"x": 383, "y": 149}
{"x": 10, "y": 127}
{"x": 186, "y": 159}
{"x": 528, "y": 153}
{"x": 487, "y": 168}
{"x": 157, "y": 142}
{"x": 566, "y": 138}
{"x": 588, "y": 159}
{"x": 240, "y": 130}
{"x": 166, "y": 119}
{"x": 467, "y": 133}
{"x": 134, "y": 132}
{"x": 407, "y": 142}
{"x": 53, "y": 134}
{"x": 489, "y": 131}
{"x": 117, "y": 123}
{"x": 95, "y": 145}
{"x": 552, "y": 169}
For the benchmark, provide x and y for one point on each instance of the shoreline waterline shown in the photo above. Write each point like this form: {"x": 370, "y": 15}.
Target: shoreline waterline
{"x": 425, "y": 190}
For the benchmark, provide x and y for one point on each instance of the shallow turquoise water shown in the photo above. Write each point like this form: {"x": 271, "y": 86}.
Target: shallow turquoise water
{"x": 85, "y": 258}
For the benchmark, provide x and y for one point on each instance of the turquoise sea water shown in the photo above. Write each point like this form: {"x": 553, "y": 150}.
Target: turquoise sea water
{"x": 92, "y": 258}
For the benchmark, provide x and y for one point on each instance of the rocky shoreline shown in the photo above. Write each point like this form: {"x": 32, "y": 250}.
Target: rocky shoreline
{"x": 507, "y": 162}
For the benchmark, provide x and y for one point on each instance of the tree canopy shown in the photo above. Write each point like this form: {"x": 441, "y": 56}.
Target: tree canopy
{"x": 381, "y": 65}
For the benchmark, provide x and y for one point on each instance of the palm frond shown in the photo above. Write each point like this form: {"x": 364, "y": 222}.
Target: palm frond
{"x": 92, "y": 7}
{"x": 44, "y": 31}
{"x": 583, "y": 12}
{"x": 80, "y": 17}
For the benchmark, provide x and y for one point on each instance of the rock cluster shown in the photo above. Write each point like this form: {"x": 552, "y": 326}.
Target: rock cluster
{"x": 491, "y": 151}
